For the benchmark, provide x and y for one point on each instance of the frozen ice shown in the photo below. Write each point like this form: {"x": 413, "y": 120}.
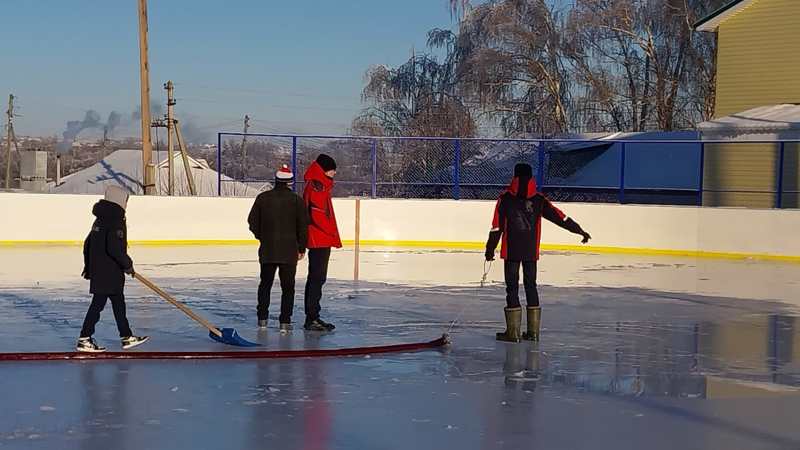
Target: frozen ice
{"x": 636, "y": 352}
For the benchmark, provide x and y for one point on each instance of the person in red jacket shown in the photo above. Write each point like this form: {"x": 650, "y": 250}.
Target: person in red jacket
{"x": 518, "y": 221}
{"x": 323, "y": 234}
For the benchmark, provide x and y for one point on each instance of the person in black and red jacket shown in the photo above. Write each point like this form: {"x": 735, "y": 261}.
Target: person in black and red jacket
{"x": 518, "y": 222}
{"x": 323, "y": 234}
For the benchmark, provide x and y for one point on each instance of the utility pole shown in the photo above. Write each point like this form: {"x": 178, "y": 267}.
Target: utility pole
{"x": 10, "y": 137}
{"x": 105, "y": 139}
{"x": 148, "y": 177}
{"x": 185, "y": 156}
{"x": 244, "y": 142}
{"x": 171, "y": 124}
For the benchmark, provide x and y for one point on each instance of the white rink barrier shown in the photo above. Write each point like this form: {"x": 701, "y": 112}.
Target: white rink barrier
{"x": 41, "y": 219}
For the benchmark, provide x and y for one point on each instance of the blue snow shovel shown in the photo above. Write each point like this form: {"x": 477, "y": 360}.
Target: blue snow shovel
{"x": 225, "y": 335}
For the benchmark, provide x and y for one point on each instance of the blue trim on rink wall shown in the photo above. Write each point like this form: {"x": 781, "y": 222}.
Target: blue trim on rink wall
{"x": 630, "y": 170}
{"x": 622, "y": 174}
{"x": 701, "y": 173}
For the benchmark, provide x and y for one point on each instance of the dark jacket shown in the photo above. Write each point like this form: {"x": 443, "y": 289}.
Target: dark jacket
{"x": 105, "y": 250}
{"x": 322, "y": 231}
{"x": 518, "y": 220}
{"x": 279, "y": 221}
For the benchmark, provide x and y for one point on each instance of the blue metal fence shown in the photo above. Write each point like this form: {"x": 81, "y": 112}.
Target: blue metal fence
{"x": 619, "y": 171}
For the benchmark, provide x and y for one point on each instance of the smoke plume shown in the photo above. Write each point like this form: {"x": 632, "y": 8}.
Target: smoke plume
{"x": 114, "y": 119}
{"x": 156, "y": 110}
{"x": 74, "y": 127}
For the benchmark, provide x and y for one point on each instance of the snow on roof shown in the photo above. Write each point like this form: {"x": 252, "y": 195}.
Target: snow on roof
{"x": 712, "y": 21}
{"x": 761, "y": 120}
{"x": 595, "y": 163}
{"x": 124, "y": 168}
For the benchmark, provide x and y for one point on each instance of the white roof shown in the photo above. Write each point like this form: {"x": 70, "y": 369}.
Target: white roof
{"x": 761, "y": 120}
{"x": 124, "y": 168}
{"x": 727, "y": 11}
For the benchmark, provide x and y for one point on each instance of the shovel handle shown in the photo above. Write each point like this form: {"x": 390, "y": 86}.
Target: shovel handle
{"x": 178, "y": 304}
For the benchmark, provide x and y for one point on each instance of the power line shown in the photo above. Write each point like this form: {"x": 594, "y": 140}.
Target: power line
{"x": 272, "y": 106}
{"x": 266, "y": 92}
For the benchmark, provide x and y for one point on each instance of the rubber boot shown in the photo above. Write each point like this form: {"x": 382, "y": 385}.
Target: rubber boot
{"x": 513, "y": 325}
{"x": 534, "y": 322}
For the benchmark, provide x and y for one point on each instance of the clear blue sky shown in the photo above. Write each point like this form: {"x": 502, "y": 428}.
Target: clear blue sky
{"x": 294, "y": 66}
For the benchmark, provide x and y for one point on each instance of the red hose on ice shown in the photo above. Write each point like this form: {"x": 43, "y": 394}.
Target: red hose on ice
{"x": 253, "y": 354}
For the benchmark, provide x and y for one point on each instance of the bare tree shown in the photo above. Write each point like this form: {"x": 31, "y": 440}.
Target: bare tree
{"x": 529, "y": 67}
{"x": 640, "y": 64}
{"x": 419, "y": 98}
{"x": 509, "y": 62}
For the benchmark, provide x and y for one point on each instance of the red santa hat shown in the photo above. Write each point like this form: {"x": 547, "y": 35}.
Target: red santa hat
{"x": 284, "y": 175}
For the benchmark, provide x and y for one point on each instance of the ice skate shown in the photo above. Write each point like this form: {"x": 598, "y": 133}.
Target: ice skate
{"x": 316, "y": 325}
{"x": 328, "y": 326}
{"x": 130, "y": 342}
{"x": 88, "y": 345}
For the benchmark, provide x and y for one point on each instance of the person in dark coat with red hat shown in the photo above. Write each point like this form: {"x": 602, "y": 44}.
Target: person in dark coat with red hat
{"x": 518, "y": 222}
{"x": 323, "y": 234}
{"x": 279, "y": 221}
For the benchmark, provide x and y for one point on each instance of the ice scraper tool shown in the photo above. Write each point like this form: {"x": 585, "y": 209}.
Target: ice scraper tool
{"x": 224, "y": 335}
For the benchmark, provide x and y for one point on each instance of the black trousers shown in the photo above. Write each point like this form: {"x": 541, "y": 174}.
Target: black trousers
{"x": 286, "y": 272}
{"x": 93, "y": 315}
{"x": 318, "y": 259}
{"x": 528, "y": 280}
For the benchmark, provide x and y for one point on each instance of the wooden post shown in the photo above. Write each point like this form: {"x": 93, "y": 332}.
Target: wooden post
{"x": 170, "y": 126}
{"x": 148, "y": 170}
{"x": 357, "y": 251}
{"x": 187, "y": 168}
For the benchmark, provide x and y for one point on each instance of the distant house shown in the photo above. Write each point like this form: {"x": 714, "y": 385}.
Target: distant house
{"x": 123, "y": 168}
{"x": 656, "y": 170}
{"x": 758, "y": 61}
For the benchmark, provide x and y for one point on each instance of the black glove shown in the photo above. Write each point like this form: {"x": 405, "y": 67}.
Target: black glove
{"x": 491, "y": 244}
{"x": 85, "y": 274}
{"x": 573, "y": 227}
{"x": 130, "y": 271}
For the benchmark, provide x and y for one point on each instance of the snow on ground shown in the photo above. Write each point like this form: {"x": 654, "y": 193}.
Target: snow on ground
{"x": 636, "y": 352}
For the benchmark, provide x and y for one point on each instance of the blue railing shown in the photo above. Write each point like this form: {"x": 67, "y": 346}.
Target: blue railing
{"x": 662, "y": 171}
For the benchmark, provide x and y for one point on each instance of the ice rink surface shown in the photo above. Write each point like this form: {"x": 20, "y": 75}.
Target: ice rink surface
{"x": 636, "y": 352}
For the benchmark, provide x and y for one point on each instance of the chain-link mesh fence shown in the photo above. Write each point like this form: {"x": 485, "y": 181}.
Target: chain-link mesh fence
{"x": 353, "y": 163}
{"x": 249, "y": 162}
{"x": 415, "y": 168}
{"x": 616, "y": 171}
